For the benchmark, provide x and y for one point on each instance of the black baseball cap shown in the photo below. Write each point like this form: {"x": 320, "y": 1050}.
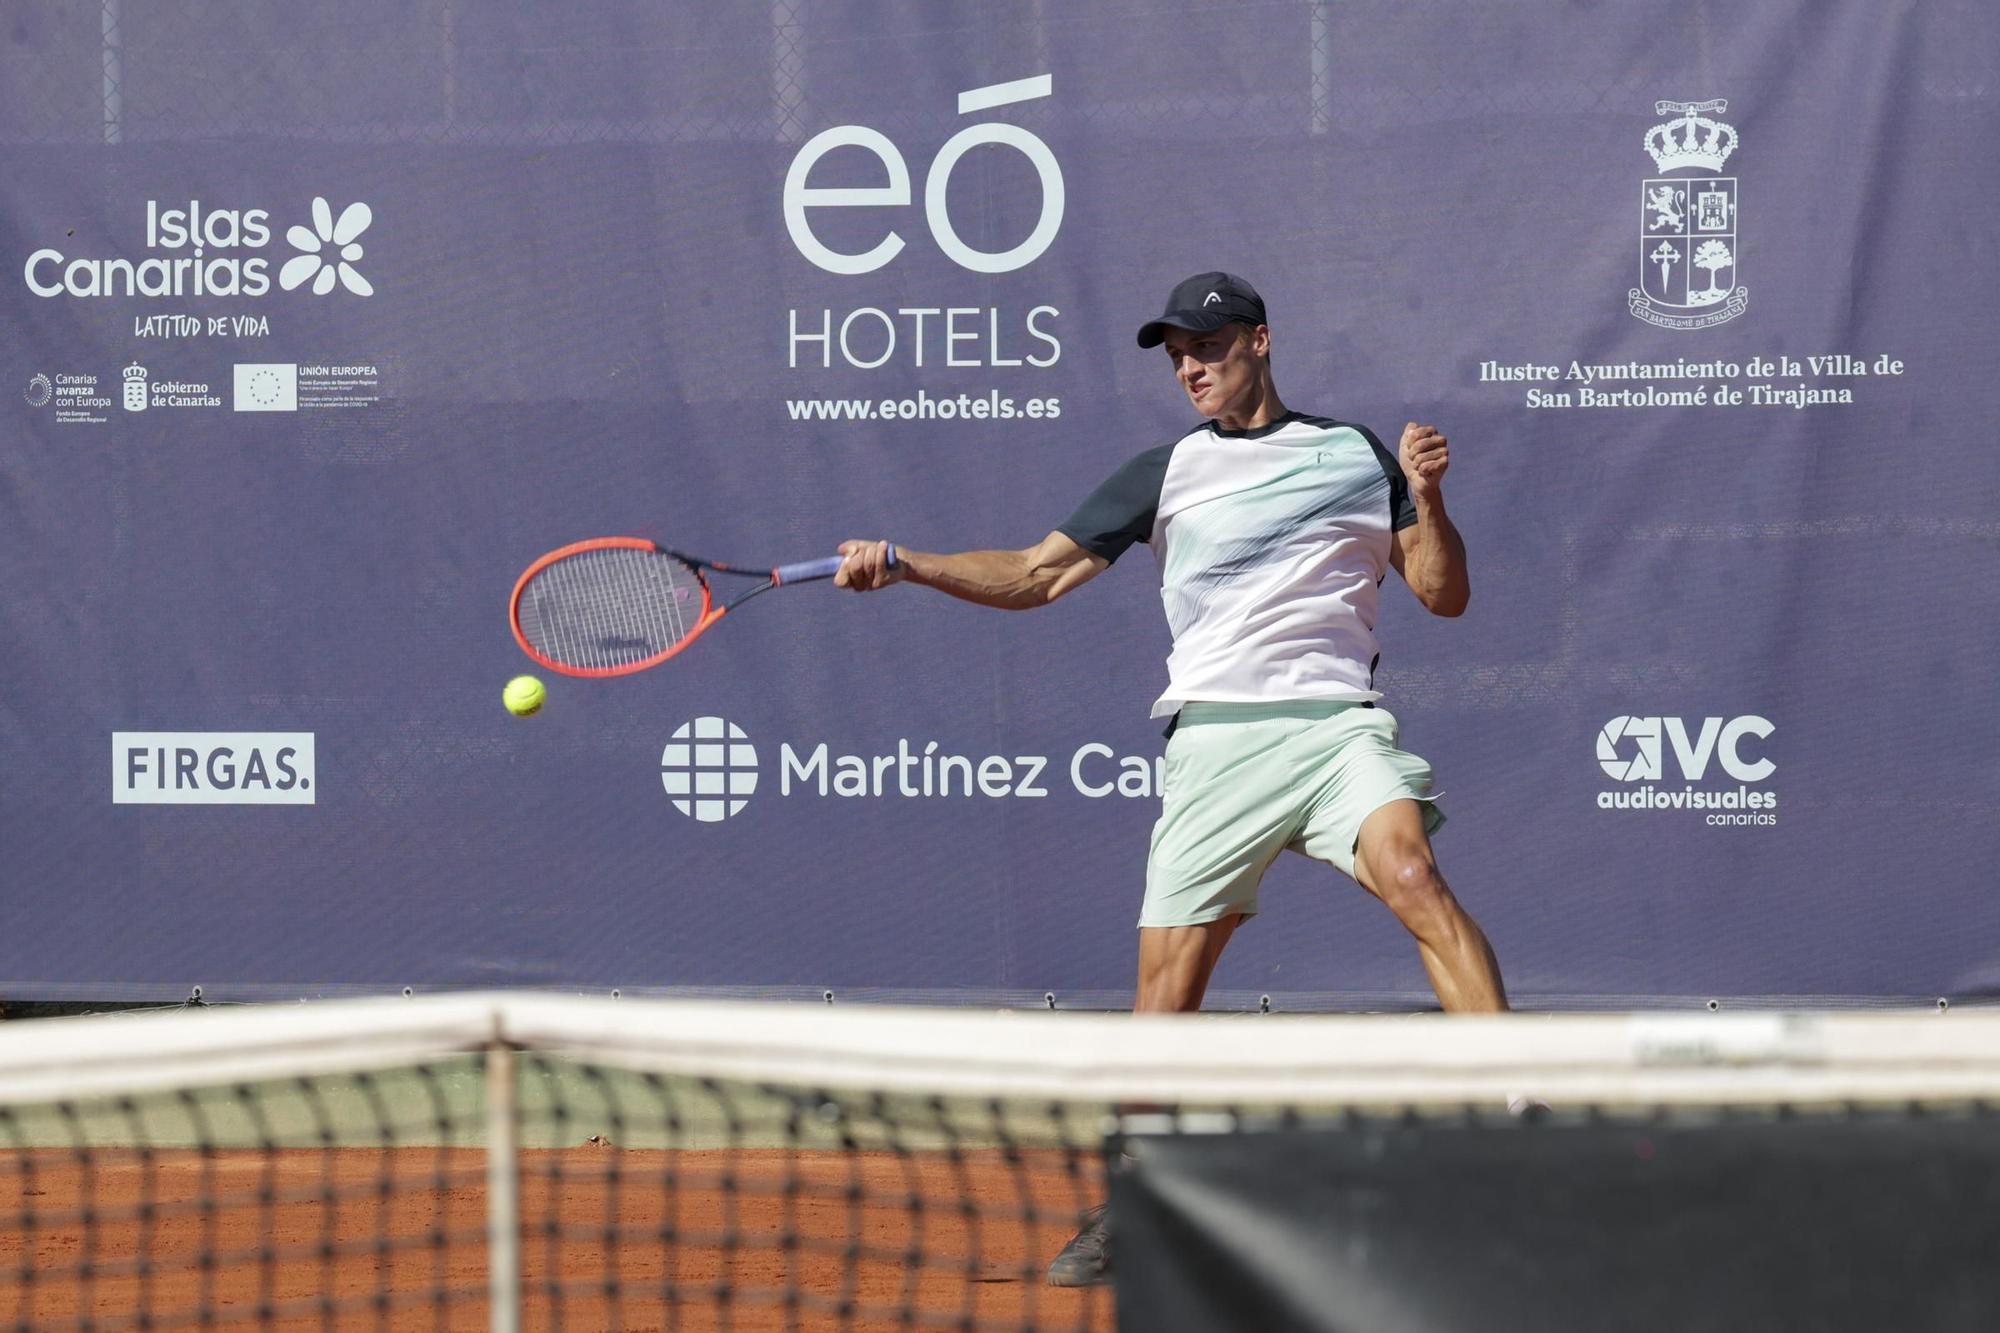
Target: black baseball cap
{"x": 1205, "y": 301}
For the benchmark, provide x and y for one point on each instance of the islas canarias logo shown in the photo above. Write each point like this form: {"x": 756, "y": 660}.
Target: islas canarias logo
{"x": 328, "y": 249}
{"x": 199, "y": 249}
{"x": 1690, "y": 263}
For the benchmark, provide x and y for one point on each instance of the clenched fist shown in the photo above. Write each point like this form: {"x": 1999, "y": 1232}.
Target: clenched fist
{"x": 1424, "y": 454}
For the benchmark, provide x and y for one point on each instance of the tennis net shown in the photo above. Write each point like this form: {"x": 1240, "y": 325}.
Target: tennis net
{"x": 510, "y": 1161}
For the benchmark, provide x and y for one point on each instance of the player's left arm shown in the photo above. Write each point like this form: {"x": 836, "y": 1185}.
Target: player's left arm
{"x": 1429, "y": 554}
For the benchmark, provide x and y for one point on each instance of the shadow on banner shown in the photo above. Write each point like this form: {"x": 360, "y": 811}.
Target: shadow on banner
{"x": 1877, "y": 1221}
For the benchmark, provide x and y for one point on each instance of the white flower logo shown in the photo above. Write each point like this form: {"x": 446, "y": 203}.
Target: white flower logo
{"x": 323, "y": 269}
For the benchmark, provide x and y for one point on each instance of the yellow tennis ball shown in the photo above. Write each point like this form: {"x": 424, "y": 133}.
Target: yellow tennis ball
{"x": 523, "y": 696}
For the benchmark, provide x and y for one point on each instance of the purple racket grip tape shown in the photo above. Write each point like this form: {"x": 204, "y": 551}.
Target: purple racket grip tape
{"x": 805, "y": 571}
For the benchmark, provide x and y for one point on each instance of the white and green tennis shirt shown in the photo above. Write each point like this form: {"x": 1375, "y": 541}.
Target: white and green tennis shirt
{"x": 1272, "y": 546}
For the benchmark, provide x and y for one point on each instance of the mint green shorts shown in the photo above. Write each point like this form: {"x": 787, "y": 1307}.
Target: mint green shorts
{"x": 1247, "y": 781}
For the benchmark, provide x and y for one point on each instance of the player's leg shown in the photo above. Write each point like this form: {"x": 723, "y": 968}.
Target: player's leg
{"x": 1230, "y": 807}
{"x": 1175, "y": 963}
{"x": 1227, "y": 812}
{"x": 1393, "y": 861}
{"x": 1372, "y": 817}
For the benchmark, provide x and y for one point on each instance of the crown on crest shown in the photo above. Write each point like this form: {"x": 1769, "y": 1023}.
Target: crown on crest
{"x": 1693, "y": 140}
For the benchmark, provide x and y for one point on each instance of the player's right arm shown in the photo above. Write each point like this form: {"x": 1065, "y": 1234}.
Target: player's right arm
{"x": 1115, "y": 515}
{"x": 1010, "y": 580}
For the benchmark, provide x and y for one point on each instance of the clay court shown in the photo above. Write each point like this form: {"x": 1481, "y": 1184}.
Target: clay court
{"x": 612, "y": 1239}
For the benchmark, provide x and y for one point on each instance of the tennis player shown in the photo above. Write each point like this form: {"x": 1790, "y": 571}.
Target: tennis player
{"x": 1273, "y": 531}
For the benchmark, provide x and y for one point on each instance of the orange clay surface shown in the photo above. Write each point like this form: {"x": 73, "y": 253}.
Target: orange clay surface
{"x": 612, "y": 1239}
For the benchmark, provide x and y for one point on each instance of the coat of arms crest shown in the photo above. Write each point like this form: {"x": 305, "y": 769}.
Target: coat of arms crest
{"x": 1690, "y": 272}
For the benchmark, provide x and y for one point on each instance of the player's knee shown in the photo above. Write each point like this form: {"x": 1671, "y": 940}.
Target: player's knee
{"x": 1416, "y": 892}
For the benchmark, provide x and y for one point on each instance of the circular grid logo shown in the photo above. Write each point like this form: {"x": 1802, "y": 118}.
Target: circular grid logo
{"x": 709, "y": 768}
{"x": 39, "y": 391}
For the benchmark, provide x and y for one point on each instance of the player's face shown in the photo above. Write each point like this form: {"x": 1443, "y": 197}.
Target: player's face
{"x": 1219, "y": 370}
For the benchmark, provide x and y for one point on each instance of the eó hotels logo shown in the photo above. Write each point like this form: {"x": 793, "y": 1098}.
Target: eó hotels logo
{"x": 869, "y": 178}
{"x": 330, "y": 250}
{"x": 709, "y": 768}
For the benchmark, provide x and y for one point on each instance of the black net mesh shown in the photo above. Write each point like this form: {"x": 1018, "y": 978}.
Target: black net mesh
{"x": 694, "y": 1204}
{"x": 891, "y": 1170}
{"x": 311, "y": 1203}
{"x": 644, "y": 1202}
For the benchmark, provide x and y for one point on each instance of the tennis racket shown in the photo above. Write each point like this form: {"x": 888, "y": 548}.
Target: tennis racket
{"x": 615, "y": 605}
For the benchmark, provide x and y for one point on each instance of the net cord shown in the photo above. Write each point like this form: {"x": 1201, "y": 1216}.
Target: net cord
{"x": 1584, "y": 1058}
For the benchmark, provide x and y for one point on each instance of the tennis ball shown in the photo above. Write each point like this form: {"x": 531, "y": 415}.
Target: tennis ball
{"x": 523, "y": 696}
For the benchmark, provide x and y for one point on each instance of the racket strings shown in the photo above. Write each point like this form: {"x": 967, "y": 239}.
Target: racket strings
{"x": 610, "y": 608}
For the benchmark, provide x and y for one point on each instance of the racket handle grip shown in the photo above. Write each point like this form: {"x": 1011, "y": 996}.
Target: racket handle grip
{"x": 805, "y": 571}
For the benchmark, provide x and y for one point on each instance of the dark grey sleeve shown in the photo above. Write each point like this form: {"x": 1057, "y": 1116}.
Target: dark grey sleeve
{"x": 1402, "y": 509}
{"x": 1120, "y": 511}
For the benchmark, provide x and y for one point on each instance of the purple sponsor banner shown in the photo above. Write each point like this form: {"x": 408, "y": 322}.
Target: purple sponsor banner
{"x": 321, "y": 327}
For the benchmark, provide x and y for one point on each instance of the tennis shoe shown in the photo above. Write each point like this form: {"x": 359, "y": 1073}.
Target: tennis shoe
{"x": 1086, "y": 1260}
